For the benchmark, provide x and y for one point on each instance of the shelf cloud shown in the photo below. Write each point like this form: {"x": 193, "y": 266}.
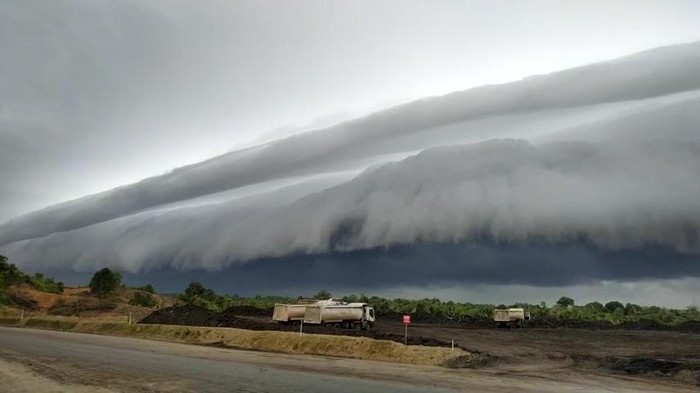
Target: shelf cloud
{"x": 593, "y": 173}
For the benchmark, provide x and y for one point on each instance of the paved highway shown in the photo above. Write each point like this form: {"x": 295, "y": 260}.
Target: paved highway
{"x": 32, "y": 360}
{"x": 146, "y": 365}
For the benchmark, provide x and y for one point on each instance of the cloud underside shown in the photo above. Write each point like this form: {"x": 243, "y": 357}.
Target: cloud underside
{"x": 599, "y": 182}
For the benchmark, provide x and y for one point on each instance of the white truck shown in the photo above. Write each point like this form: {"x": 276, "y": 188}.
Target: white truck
{"x": 289, "y": 313}
{"x": 345, "y": 315}
{"x": 511, "y": 317}
{"x": 294, "y": 313}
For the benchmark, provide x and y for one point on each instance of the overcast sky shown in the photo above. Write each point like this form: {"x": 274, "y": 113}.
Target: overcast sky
{"x": 95, "y": 94}
{"x": 598, "y": 183}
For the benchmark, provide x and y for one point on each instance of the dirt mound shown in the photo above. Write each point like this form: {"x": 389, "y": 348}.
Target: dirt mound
{"x": 248, "y": 311}
{"x": 189, "y": 315}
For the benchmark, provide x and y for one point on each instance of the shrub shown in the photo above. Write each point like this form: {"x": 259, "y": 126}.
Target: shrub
{"x": 147, "y": 288}
{"x": 105, "y": 282}
{"x": 44, "y": 284}
{"x": 143, "y": 300}
{"x": 614, "y": 305}
{"x": 565, "y": 301}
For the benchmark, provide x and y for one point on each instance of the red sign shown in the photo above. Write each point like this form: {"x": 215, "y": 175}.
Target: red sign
{"x": 406, "y": 319}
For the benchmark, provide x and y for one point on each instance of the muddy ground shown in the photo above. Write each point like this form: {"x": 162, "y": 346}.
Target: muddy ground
{"x": 651, "y": 353}
{"x": 663, "y": 354}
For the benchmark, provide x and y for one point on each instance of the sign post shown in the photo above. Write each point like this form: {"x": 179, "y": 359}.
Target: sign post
{"x": 406, "y": 321}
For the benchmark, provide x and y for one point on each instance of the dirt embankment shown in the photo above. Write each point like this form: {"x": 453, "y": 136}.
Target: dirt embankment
{"x": 267, "y": 341}
{"x": 77, "y": 301}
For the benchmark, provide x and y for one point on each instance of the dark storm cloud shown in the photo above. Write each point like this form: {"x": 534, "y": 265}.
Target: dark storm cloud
{"x": 632, "y": 195}
{"x": 654, "y": 73}
{"x": 427, "y": 265}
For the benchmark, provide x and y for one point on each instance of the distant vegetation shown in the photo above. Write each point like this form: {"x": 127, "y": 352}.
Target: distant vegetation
{"x": 147, "y": 288}
{"x": 143, "y": 300}
{"x": 564, "y": 310}
{"x": 105, "y": 282}
{"x": 45, "y": 284}
{"x": 11, "y": 275}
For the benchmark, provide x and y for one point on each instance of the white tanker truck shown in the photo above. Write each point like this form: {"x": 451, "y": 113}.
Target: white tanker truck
{"x": 294, "y": 313}
{"x": 289, "y": 313}
{"x": 329, "y": 312}
{"x": 346, "y": 315}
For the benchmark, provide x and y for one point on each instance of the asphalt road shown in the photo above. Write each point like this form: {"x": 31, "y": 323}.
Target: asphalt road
{"x": 144, "y": 365}
{"x": 47, "y": 361}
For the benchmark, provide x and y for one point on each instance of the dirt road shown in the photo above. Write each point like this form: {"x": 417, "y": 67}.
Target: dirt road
{"x": 70, "y": 362}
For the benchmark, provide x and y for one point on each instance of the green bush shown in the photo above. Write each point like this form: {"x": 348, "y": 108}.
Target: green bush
{"x": 143, "y": 300}
{"x": 105, "y": 282}
{"x": 147, "y": 288}
{"x": 44, "y": 284}
{"x": 10, "y": 274}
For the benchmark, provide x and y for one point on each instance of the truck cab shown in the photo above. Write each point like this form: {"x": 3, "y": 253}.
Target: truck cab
{"x": 368, "y": 318}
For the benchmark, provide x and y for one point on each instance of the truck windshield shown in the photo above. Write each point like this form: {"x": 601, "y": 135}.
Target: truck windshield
{"x": 371, "y": 313}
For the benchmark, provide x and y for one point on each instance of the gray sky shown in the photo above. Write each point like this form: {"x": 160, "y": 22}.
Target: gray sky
{"x": 591, "y": 174}
{"x": 96, "y": 94}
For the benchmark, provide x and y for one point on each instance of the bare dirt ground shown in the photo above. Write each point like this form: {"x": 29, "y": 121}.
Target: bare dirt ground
{"x": 651, "y": 354}
{"x": 32, "y": 360}
{"x": 20, "y": 378}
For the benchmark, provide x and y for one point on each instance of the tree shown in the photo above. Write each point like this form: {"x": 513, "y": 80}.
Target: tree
{"x": 105, "y": 282}
{"x": 631, "y": 309}
{"x": 10, "y": 274}
{"x": 196, "y": 291}
{"x": 614, "y": 305}
{"x": 565, "y": 301}
{"x": 595, "y": 306}
{"x": 147, "y": 288}
{"x": 322, "y": 295}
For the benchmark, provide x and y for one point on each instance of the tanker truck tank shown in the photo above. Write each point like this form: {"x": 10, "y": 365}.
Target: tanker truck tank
{"x": 348, "y": 315}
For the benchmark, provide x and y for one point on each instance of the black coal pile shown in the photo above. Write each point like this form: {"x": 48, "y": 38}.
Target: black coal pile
{"x": 191, "y": 315}
{"x": 249, "y": 311}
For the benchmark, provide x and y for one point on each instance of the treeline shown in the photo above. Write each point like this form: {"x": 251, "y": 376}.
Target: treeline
{"x": 198, "y": 295}
{"x": 106, "y": 283}
{"x": 436, "y": 310}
